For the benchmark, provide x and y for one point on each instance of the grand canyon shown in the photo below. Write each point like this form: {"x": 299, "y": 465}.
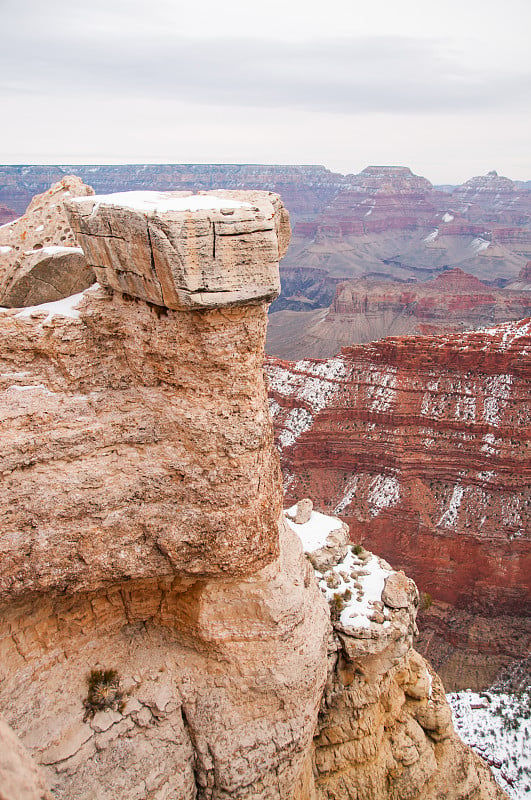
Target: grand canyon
{"x": 142, "y": 504}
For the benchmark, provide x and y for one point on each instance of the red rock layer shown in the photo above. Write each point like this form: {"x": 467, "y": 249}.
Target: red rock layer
{"x": 422, "y": 445}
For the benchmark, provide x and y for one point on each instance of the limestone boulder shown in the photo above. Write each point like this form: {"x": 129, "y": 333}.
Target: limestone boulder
{"x": 180, "y": 250}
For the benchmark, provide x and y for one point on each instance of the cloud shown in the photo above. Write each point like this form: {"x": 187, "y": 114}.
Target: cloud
{"x": 340, "y": 75}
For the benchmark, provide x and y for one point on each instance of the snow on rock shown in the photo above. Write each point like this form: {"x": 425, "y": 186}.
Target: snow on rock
{"x": 384, "y": 492}
{"x": 348, "y": 496}
{"x": 297, "y": 421}
{"x": 310, "y": 384}
{"x": 497, "y": 726}
{"x": 314, "y": 533}
{"x": 5, "y": 249}
{"x": 353, "y": 587}
{"x": 478, "y": 245}
{"x": 432, "y": 236}
{"x": 67, "y": 307}
{"x": 449, "y": 518}
{"x": 447, "y": 217}
{"x": 54, "y": 250}
{"x": 162, "y": 202}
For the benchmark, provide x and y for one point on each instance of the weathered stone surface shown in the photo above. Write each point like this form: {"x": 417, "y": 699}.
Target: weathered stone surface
{"x": 142, "y": 532}
{"x": 20, "y": 778}
{"x": 385, "y": 728}
{"x": 40, "y": 261}
{"x": 180, "y": 250}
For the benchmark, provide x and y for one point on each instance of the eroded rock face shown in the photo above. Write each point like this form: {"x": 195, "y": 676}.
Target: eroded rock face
{"x": 142, "y": 534}
{"x": 421, "y": 445}
{"x": 179, "y": 250}
{"x": 365, "y": 310}
{"x": 385, "y": 727}
{"x": 40, "y": 260}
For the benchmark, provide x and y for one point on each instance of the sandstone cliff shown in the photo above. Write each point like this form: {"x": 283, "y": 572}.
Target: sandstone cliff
{"x": 143, "y": 543}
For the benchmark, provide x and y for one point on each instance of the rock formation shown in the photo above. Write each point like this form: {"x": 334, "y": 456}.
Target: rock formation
{"x": 162, "y": 634}
{"x": 365, "y": 310}
{"x": 39, "y": 258}
{"x": 422, "y": 445}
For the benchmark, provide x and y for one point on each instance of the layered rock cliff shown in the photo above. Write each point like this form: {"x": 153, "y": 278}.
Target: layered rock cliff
{"x": 162, "y": 634}
{"x": 422, "y": 445}
{"x": 366, "y": 310}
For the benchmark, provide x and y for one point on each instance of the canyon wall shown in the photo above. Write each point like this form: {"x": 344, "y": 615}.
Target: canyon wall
{"x": 162, "y": 633}
{"x": 422, "y": 445}
{"x": 365, "y": 310}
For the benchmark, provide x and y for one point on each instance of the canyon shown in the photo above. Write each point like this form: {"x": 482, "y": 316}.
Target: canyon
{"x": 166, "y": 630}
{"x": 421, "y": 444}
{"x": 382, "y": 226}
{"x": 365, "y": 310}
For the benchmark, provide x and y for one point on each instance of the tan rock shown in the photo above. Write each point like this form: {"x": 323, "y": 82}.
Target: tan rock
{"x": 40, "y": 260}
{"x": 304, "y": 511}
{"x": 180, "y": 250}
{"x": 20, "y": 778}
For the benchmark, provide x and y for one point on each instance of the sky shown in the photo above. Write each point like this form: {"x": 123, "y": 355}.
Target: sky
{"x": 444, "y": 88}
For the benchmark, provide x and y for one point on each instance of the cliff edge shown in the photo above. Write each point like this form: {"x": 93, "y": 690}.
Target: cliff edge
{"x": 163, "y": 634}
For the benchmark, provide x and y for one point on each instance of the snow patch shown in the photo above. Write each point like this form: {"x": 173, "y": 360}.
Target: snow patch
{"x": 432, "y": 236}
{"x": 384, "y": 492}
{"x": 162, "y": 202}
{"x": 54, "y": 250}
{"x": 497, "y": 726}
{"x": 64, "y": 308}
{"x": 349, "y": 493}
{"x": 449, "y": 518}
{"x": 314, "y": 533}
{"x": 448, "y": 217}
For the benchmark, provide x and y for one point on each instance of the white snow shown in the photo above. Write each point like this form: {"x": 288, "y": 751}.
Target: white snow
{"x": 381, "y": 389}
{"x": 54, "y": 250}
{"x": 39, "y": 386}
{"x": 432, "y": 236}
{"x": 5, "y": 249}
{"x": 478, "y": 245}
{"x": 348, "y": 495}
{"x": 314, "y": 533}
{"x": 447, "y": 217}
{"x": 384, "y": 492}
{"x": 358, "y": 608}
{"x": 162, "y": 202}
{"x": 295, "y": 423}
{"x": 7, "y": 224}
{"x": 449, "y": 517}
{"x": 64, "y": 308}
{"x": 498, "y": 727}
{"x": 39, "y": 228}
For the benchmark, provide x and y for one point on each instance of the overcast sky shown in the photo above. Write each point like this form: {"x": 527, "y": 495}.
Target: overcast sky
{"x": 444, "y": 88}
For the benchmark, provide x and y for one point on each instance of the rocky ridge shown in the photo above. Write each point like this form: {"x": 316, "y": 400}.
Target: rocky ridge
{"x": 143, "y": 539}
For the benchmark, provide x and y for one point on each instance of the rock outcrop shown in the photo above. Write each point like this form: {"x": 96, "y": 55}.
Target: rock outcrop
{"x": 422, "y": 445}
{"x": 162, "y": 634}
{"x": 39, "y": 258}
